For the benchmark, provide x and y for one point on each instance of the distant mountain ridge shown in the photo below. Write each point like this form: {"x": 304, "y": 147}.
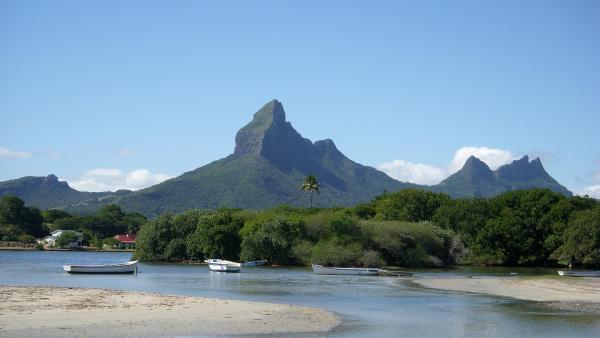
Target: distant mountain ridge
{"x": 476, "y": 179}
{"x": 267, "y": 167}
{"x": 48, "y": 192}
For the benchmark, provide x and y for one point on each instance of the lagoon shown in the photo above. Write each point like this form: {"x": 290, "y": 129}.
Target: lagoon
{"x": 367, "y": 306}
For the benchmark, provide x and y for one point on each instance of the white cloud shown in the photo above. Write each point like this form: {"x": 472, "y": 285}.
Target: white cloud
{"x": 413, "y": 172}
{"x": 592, "y": 191}
{"x": 5, "y": 152}
{"x": 427, "y": 174}
{"x": 107, "y": 179}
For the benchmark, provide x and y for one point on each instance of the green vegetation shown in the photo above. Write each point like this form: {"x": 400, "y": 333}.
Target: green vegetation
{"x": 18, "y": 222}
{"x": 410, "y": 228}
{"x": 24, "y": 224}
{"x": 407, "y": 228}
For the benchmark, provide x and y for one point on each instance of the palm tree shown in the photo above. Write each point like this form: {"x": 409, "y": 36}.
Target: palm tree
{"x": 311, "y": 184}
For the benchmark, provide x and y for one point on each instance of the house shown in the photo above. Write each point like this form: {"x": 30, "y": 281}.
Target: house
{"x": 54, "y": 235}
{"x": 126, "y": 241}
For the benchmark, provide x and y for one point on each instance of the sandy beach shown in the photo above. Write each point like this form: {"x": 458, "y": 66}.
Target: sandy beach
{"x": 53, "y": 312}
{"x": 562, "y": 291}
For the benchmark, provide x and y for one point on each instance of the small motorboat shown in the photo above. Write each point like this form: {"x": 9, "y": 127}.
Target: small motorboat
{"x": 579, "y": 273}
{"x": 255, "y": 263}
{"x": 127, "y": 267}
{"x": 222, "y": 265}
{"x": 325, "y": 270}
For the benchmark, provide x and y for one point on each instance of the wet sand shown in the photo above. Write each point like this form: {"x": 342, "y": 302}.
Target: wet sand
{"x": 567, "y": 293}
{"x": 53, "y": 312}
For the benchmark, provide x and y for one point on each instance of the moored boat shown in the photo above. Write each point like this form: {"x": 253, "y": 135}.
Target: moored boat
{"x": 326, "y": 270}
{"x": 126, "y": 267}
{"x": 579, "y": 273}
{"x": 255, "y": 263}
{"x": 222, "y": 265}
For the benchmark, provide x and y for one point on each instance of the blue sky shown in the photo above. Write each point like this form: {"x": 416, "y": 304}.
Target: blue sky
{"x": 111, "y": 94}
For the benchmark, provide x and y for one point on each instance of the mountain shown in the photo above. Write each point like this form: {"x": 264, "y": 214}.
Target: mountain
{"x": 476, "y": 179}
{"x": 48, "y": 192}
{"x": 267, "y": 168}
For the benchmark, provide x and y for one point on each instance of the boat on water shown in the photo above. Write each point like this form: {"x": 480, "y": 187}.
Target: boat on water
{"x": 126, "y": 267}
{"x": 255, "y": 263}
{"x": 325, "y": 270}
{"x": 579, "y": 273}
{"x": 222, "y": 265}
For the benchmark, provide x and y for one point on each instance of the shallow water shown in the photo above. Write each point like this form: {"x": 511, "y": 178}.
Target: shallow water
{"x": 368, "y": 306}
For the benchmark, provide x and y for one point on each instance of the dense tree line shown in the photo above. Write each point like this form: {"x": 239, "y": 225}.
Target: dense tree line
{"x": 407, "y": 228}
{"x": 287, "y": 235}
{"x": 533, "y": 227}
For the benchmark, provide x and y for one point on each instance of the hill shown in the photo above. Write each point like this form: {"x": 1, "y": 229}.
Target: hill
{"x": 267, "y": 167}
{"x": 48, "y": 192}
{"x": 476, "y": 179}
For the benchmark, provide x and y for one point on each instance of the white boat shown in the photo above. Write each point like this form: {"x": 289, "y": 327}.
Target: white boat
{"x": 579, "y": 273}
{"x": 255, "y": 263}
{"x": 325, "y": 270}
{"x": 127, "y": 267}
{"x": 222, "y": 265}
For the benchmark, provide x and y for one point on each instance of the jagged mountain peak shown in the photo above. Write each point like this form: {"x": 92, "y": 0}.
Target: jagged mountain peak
{"x": 250, "y": 139}
{"x": 523, "y": 170}
{"x": 473, "y": 163}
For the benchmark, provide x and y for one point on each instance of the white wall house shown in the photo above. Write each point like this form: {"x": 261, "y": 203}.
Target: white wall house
{"x": 51, "y": 240}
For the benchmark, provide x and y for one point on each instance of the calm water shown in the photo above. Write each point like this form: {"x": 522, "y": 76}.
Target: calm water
{"x": 368, "y": 306}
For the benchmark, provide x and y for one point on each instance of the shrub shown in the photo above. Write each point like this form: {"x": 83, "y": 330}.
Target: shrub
{"x": 335, "y": 253}
{"x": 271, "y": 239}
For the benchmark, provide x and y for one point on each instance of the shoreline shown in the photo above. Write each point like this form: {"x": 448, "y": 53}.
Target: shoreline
{"x": 561, "y": 293}
{"x": 27, "y": 311}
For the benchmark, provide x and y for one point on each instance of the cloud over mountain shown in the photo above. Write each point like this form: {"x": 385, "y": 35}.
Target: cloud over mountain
{"x": 107, "y": 179}
{"x": 421, "y": 173}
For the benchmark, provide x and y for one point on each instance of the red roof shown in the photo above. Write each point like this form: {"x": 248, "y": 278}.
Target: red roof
{"x": 128, "y": 238}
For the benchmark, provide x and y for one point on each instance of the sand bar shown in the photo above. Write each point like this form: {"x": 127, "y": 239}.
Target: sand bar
{"x": 53, "y": 312}
{"x": 555, "y": 289}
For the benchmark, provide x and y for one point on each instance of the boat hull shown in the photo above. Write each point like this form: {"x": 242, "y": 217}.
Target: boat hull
{"x": 122, "y": 268}
{"x": 223, "y": 268}
{"x": 324, "y": 270}
{"x": 579, "y": 273}
{"x": 220, "y": 265}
